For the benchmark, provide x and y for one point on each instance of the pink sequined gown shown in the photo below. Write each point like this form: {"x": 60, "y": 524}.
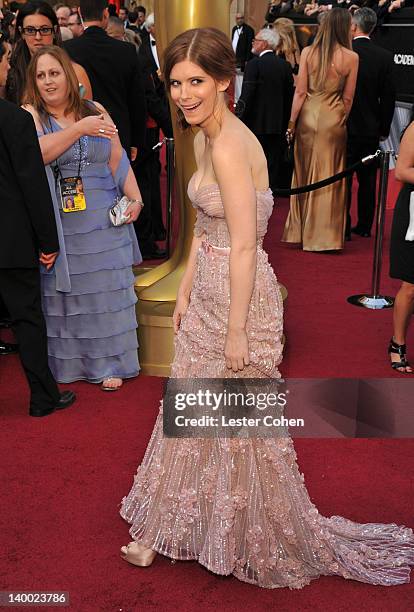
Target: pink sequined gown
{"x": 240, "y": 506}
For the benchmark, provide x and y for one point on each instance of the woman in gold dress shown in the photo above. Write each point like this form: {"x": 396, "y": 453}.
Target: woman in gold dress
{"x": 237, "y": 505}
{"x": 323, "y": 99}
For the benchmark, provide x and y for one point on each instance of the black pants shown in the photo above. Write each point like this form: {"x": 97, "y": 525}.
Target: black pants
{"x": 20, "y": 290}
{"x": 272, "y": 147}
{"x": 147, "y": 170}
{"x": 367, "y": 177}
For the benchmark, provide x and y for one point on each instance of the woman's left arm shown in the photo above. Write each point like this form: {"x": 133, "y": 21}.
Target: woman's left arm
{"x": 130, "y": 186}
{"x": 83, "y": 79}
{"x": 350, "y": 84}
{"x": 234, "y": 176}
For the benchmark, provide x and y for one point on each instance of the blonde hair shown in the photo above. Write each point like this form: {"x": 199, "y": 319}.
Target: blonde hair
{"x": 80, "y": 108}
{"x": 334, "y": 31}
{"x": 288, "y": 44}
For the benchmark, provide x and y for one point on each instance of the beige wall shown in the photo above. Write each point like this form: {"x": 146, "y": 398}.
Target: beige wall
{"x": 254, "y": 12}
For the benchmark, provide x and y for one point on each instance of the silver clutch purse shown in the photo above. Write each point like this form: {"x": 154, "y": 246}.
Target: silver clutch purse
{"x": 117, "y": 214}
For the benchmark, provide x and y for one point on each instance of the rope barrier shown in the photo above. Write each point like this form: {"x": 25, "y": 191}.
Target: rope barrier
{"x": 328, "y": 181}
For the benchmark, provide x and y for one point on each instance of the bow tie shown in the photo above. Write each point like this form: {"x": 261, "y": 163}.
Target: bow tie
{"x": 153, "y": 42}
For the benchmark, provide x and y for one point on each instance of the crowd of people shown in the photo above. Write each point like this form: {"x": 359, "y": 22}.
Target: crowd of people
{"x": 382, "y": 8}
{"x": 335, "y": 101}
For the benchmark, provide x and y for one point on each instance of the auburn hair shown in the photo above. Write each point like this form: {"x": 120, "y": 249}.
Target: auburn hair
{"x": 209, "y": 48}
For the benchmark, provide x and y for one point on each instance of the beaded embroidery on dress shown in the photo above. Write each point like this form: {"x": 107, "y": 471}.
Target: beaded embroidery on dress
{"x": 240, "y": 506}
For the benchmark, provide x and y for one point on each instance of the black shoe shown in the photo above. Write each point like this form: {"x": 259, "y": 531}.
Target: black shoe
{"x": 66, "y": 399}
{"x": 6, "y": 348}
{"x": 155, "y": 253}
{"x": 361, "y": 232}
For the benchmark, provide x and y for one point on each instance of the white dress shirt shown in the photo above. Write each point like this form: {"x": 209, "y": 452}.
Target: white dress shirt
{"x": 154, "y": 51}
{"x": 236, "y": 37}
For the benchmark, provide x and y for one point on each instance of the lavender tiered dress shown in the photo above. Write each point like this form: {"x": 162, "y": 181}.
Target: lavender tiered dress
{"x": 89, "y": 298}
{"x": 240, "y": 506}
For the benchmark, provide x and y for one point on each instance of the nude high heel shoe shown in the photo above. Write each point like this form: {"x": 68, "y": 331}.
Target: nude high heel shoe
{"x": 137, "y": 554}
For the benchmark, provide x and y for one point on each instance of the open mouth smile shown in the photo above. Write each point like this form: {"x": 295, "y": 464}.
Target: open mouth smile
{"x": 189, "y": 109}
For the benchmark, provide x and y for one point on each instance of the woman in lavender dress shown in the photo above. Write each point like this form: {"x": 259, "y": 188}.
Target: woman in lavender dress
{"x": 88, "y": 299}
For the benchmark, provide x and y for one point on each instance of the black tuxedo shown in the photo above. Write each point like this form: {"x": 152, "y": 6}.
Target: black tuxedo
{"x": 264, "y": 105}
{"x": 244, "y": 45}
{"x": 369, "y": 119}
{"x": 116, "y": 81}
{"x": 27, "y": 227}
{"x": 148, "y": 167}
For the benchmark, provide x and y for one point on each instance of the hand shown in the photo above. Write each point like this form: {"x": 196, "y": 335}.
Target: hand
{"x": 236, "y": 350}
{"x": 134, "y": 153}
{"x": 181, "y": 305}
{"x": 97, "y": 125}
{"x": 290, "y": 134}
{"x": 133, "y": 211}
{"x": 48, "y": 260}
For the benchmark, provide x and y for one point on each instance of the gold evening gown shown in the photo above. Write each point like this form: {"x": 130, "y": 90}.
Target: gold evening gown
{"x": 317, "y": 219}
{"x": 240, "y": 506}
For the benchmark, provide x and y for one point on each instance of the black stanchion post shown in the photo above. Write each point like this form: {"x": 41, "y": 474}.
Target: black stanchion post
{"x": 170, "y": 183}
{"x": 375, "y": 300}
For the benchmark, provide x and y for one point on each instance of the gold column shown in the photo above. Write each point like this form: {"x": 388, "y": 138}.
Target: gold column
{"x": 157, "y": 289}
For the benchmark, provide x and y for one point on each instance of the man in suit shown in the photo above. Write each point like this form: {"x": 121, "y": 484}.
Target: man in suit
{"x": 266, "y": 98}
{"x": 150, "y": 227}
{"x": 114, "y": 73}
{"x": 27, "y": 228}
{"x": 142, "y": 15}
{"x": 370, "y": 118}
{"x": 242, "y": 36}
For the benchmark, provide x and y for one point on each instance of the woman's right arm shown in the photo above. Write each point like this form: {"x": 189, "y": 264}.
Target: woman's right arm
{"x": 301, "y": 89}
{"x": 350, "y": 83}
{"x": 404, "y": 169}
{"x": 53, "y": 145}
{"x": 184, "y": 290}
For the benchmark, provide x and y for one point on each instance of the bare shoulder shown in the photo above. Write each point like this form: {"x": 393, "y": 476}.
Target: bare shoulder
{"x": 350, "y": 56}
{"x": 305, "y": 52}
{"x": 407, "y": 142}
{"x": 232, "y": 145}
{"x": 77, "y": 67}
{"x": 100, "y": 107}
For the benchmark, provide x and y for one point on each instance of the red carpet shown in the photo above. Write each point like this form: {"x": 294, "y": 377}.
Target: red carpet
{"x": 63, "y": 477}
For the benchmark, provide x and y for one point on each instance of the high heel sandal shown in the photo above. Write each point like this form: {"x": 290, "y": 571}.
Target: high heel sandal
{"x": 137, "y": 554}
{"x": 401, "y": 350}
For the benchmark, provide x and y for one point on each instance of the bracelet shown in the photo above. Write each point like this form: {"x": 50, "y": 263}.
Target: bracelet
{"x": 137, "y": 202}
{"x": 291, "y": 125}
